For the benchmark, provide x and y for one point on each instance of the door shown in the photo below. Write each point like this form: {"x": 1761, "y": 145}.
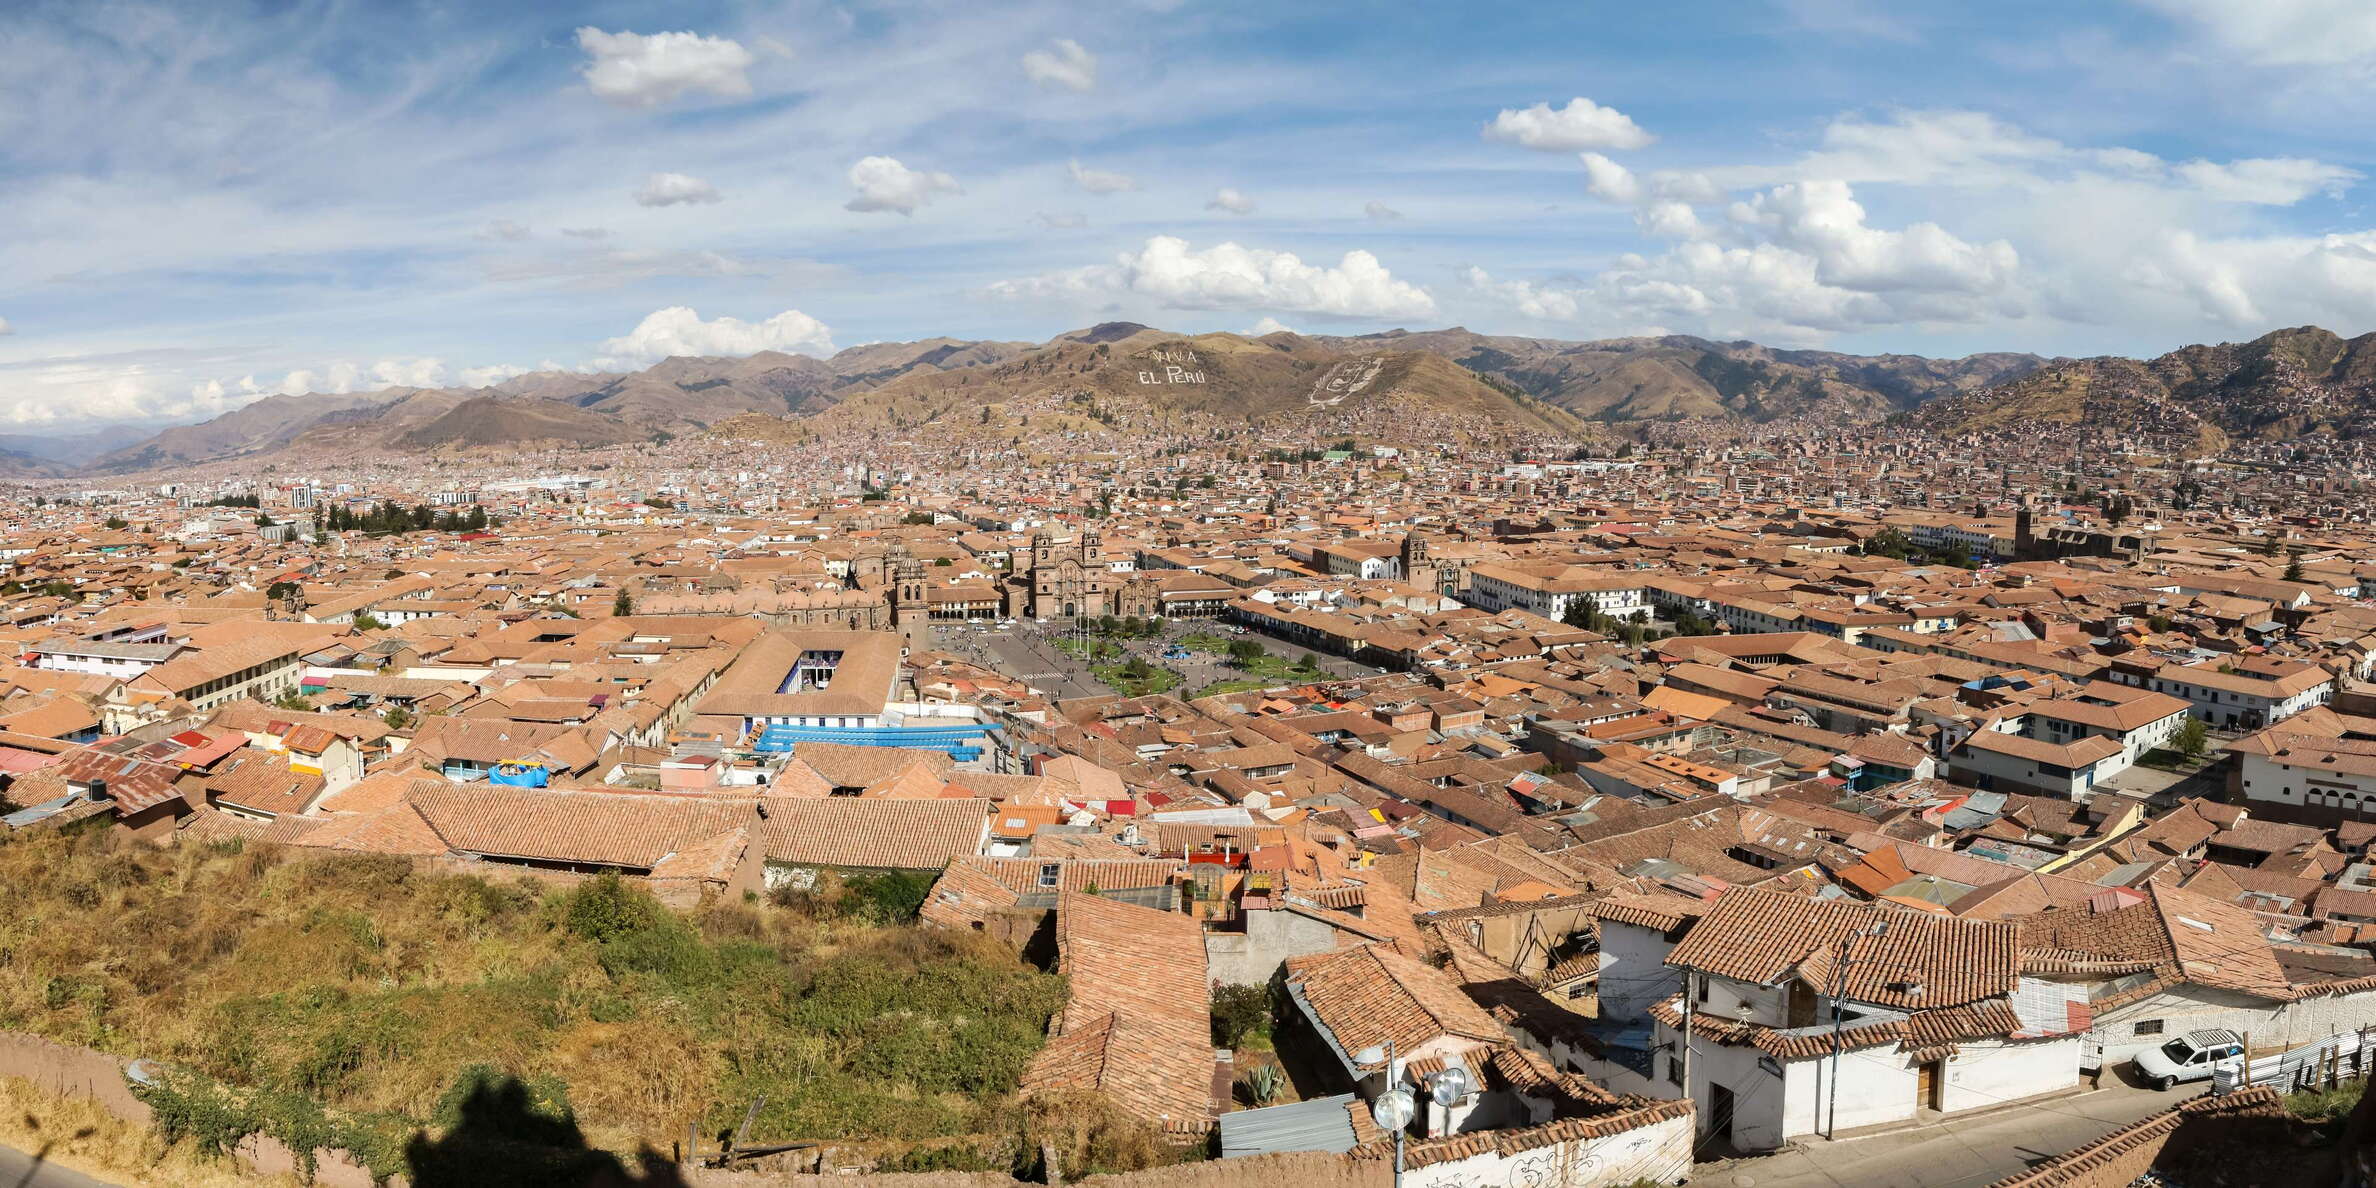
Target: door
{"x": 1720, "y": 1113}
{"x": 1926, "y": 1085}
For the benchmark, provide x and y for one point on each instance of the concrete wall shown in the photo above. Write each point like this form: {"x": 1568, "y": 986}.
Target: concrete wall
{"x": 1660, "y": 1153}
{"x": 1984, "y": 1073}
{"x": 1633, "y": 971}
{"x": 1877, "y": 1085}
{"x": 2272, "y": 1025}
{"x": 1270, "y": 938}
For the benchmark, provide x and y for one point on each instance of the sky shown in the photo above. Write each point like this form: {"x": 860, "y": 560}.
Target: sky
{"x": 203, "y": 204}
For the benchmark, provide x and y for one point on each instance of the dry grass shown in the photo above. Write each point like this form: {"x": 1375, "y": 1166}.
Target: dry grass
{"x": 78, "y": 1134}
{"x": 367, "y": 986}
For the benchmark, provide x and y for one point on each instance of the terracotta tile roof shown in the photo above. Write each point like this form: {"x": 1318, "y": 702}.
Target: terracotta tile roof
{"x": 561, "y": 825}
{"x": 1922, "y": 961}
{"x": 1136, "y": 1027}
{"x": 972, "y": 889}
{"x": 1370, "y": 995}
{"x": 873, "y": 834}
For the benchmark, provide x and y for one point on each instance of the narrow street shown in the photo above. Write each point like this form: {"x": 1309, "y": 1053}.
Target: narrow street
{"x": 1964, "y": 1152}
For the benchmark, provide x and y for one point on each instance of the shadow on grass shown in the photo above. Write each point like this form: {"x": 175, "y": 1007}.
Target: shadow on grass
{"x": 502, "y": 1139}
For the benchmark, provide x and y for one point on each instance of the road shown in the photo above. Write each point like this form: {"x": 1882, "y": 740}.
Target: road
{"x": 1962, "y": 1152}
{"x": 20, "y": 1170}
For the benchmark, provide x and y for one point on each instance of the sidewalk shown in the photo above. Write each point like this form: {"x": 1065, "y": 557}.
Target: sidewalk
{"x": 1968, "y": 1151}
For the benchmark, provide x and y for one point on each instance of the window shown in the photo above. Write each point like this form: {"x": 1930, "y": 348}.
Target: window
{"x": 1050, "y": 874}
{"x": 2148, "y": 1027}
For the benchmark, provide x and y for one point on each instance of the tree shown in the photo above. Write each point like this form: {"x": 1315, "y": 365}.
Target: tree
{"x": 368, "y": 623}
{"x": 118, "y": 523}
{"x": 398, "y": 717}
{"x": 2293, "y": 570}
{"x": 623, "y": 605}
{"x": 1244, "y": 652}
{"x": 283, "y": 591}
{"x": 1240, "y": 1012}
{"x": 2192, "y": 739}
{"x": 2272, "y": 544}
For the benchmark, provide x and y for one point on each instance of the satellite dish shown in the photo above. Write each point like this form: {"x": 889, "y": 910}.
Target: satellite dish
{"x": 1392, "y": 1110}
{"x": 1448, "y": 1086}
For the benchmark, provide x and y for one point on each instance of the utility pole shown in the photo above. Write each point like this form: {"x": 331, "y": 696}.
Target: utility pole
{"x": 1690, "y": 996}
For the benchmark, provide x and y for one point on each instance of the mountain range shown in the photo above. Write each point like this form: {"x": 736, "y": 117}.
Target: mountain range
{"x": 1122, "y": 377}
{"x": 2282, "y": 385}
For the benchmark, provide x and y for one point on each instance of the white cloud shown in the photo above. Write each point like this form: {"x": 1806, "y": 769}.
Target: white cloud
{"x": 586, "y": 232}
{"x": 503, "y": 230}
{"x": 1171, "y": 274}
{"x": 1582, "y": 124}
{"x": 67, "y": 393}
{"x": 1380, "y": 211}
{"x": 1061, "y": 220}
{"x": 1824, "y": 220}
{"x": 344, "y": 376}
{"x": 1606, "y": 179}
{"x": 2280, "y": 32}
{"x": 678, "y": 330}
{"x": 1229, "y": 200}
{"x": 2266, "y": 181}
{"x": 883, "y": 184}
{"x": 1099, "y": 181}
{"x": 1270, "y": 325}
{"x": 5, "y": 328}
{"x": 1802, "y": 262}
{"x": 671, "y": 189}
{"x": 647, "y": 70}
{"x": 489, "y": 376}
{"x": 1065, "y": 64}
{"x": 1541, "y": 302}
{"x": 1669, "y": 220}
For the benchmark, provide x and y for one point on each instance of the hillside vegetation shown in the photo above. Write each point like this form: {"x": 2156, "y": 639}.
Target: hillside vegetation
{"x": 358, "y": 1000}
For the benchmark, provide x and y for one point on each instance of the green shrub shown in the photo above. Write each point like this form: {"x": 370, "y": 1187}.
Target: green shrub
{"x": 1240, "y": 1013}
{"x": 605, "y": 907}
{"x": 891, "y": 897}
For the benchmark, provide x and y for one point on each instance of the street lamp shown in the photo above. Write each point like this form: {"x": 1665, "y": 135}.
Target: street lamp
{"x": 1394, "y": 1108}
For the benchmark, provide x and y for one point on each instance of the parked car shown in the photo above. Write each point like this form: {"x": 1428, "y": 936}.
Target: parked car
{"x": 2189, "y": 1057}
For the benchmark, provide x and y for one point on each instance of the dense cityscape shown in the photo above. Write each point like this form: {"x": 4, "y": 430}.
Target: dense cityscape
{"x": 1187, "y": 594}
{"x": 1622, "y": 793}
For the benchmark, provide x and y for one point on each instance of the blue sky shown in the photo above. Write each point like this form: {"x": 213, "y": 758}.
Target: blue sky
{"x": 204, "y": 203}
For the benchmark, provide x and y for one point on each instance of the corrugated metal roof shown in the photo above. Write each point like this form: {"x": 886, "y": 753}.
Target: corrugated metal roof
{"x": 1320, "y": 1124}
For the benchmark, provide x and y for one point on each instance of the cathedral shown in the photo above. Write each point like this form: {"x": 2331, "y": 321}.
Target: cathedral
{"x": 1075, "y": 582}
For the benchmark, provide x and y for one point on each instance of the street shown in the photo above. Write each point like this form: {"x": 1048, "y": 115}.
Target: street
{"x": 20, "y": 1170}
{"x": 1965, "y": 1152}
